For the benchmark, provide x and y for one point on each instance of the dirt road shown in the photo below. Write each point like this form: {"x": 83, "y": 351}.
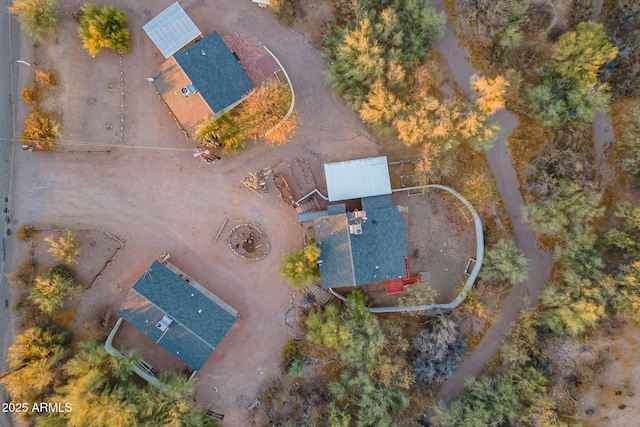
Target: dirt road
{"x": 540, "y": 262}
{"x": 8, "y": 73}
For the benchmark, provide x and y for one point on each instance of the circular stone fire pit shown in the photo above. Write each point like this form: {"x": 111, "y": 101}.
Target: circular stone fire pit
{"x": 249, "y": 242}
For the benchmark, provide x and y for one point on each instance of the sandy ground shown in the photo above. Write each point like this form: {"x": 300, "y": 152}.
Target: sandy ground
{"x": 150, "y": 191}
{"x": 612, "y": 399}
{"x": 440, "y": 241}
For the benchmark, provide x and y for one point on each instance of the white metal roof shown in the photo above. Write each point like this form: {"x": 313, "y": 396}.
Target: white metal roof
{"x": 359, "y": 178}
{"x": 171, "y": 30}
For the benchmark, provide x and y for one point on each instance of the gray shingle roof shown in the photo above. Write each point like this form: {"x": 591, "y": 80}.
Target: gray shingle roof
{"x": 379, "y": 252}
{"x": 336, "y": 267}
{"x": 215, "y": 72}
{"x": 171, "y": 30}
{"x": 199, "y": 323}
{"x": 376, "y": 255}
{"x": 336, "y": 209}
{"x": 376, "y": 202}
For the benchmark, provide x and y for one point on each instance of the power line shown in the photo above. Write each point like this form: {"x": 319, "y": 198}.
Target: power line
{"x": 101, "y": 145}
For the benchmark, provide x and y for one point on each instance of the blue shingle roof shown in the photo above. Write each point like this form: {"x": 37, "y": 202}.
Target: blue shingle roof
{"x": 376, "y": 255}
{"x": 215, "y": 72}
{"x": 336, "y": 265}
{"x": 199, "y": 324}
{"x": 379, "y": 252}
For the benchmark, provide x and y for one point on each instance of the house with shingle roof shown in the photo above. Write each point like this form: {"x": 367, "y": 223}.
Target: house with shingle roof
{"x": 177, "y": 313}
{"x": 360, "y": 247}
{"x": 201, "y": 81}
{"x": 204, "y": 77}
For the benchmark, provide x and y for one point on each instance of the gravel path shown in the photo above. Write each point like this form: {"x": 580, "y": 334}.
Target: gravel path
{"x": 540, "y": 263}
{"x": 602, "y": 126}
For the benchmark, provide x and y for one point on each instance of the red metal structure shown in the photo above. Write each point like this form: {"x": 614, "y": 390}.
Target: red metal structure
{"x": 398, "y": 286}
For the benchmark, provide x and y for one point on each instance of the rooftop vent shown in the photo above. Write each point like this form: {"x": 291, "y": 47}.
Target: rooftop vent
{"x": 164, "y": 323}
{"x": 355, "y": 222}
{"x": 360, "y": 214}
{"x": 355, "y": 229}
{"x": 188, "y": 90}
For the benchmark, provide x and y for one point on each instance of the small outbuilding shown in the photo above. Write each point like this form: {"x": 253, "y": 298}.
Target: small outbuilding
{"x": 171, "y": 30}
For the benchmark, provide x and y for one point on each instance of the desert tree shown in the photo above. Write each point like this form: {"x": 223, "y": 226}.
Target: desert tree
{"x": 394, "y": 367}
{"x": 300, "y": 267}
{"x": 485, "y": 402}
{"x": 376, "y": 41}
{"x": 34, "y": 359}
{"x": 381, "y": 107}
{"x": 224, "y": 132}
{"x": 492, "y": 24}
{"x": 581, "y": 11}
{"x": 376, "y": 403}
{"x": 263, "y": 109}
{"x": 47, "y": 77}
{"x": 297, "y": 368}
{"x": 438, "y": 349}
{"x": 337, "y": 417}
{"x": 361, "y": 346}
{"x": 555, "y": 163}
{"x": 521, "y": 346}
{"x": 504, "y": 261}
{"x": 490, "y": 93}
{"x": 416, "y": 295}
{"x": 38, "y": 17}
{"x": 579, "y": 55}
{"x": 629, "y": 141}
{"x": 97, "y": 389}
{"x": 555, "y": 217}
{"x": 103, "y": 392}
{"x": 104, "y": 27}
{"x": 25, "y": 233}
{"x": 171, "y": 407}
{"x": 31, "y": 95}
{"x": 479, "y": 130}
{"x": 327, "y": 328}
{"x": 42, "y": 129}
{"x": 50, "y": 289}
{"x": 573, "y": 308}
{"x": 64, "y": 248}
{"x": 625, "y": 237}
{"x": 621, "y": 22}
{"x": 571, "y": 90}
{"x": 519, "y": 394}
{"x": 625, "y": 295}
{"x": 434, "y": 165}
{"x": 578, "y": 252}
{"x": 480, "y": 190}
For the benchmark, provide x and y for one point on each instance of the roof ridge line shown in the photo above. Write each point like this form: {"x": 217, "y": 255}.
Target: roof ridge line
{"x": 173, "y": 319}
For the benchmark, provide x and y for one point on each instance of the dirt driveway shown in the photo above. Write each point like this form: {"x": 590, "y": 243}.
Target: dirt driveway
{"x": 153, "y": 193}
